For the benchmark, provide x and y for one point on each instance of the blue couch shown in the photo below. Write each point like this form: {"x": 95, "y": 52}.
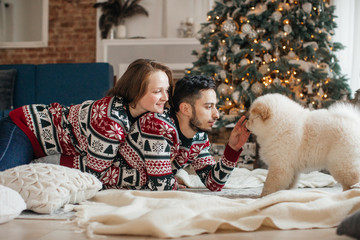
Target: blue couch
{"x": 68, "y": 83}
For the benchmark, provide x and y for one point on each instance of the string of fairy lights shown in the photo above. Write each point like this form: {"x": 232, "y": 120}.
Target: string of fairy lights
{"x": 251, "y": 47}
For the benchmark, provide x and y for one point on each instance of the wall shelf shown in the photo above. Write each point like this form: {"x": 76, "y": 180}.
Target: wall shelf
{"x": 174, "y": 52}
{"x": 151, "y": 41}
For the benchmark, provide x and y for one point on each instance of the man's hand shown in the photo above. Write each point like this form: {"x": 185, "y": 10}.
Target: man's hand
{"x": 239, "y": 134}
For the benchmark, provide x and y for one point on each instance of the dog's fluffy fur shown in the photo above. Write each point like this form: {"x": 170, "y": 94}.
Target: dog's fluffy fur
{"x": 293, "y": 139}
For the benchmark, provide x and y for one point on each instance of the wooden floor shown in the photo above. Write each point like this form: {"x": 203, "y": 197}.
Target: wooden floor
{"x": 25, "y": 229}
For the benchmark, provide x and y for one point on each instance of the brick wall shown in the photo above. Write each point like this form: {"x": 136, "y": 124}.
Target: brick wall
{"x": 72, "y": 36}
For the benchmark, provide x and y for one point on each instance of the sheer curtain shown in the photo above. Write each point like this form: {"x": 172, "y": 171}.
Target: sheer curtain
{"x": 348, "y": 33}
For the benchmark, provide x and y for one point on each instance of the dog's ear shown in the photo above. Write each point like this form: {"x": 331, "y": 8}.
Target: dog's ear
{"x": 262, "y": 110}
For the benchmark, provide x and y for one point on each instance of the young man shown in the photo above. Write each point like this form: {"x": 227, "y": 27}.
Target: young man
{"x": 158, "y": 145}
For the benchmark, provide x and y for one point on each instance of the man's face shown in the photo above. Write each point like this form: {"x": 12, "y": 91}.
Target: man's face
{"x": 204, "y": 112}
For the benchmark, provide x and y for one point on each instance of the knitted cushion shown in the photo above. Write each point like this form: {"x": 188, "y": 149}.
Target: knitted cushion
{"x": 11, "y": 204}
{"x": 47, "y": 187}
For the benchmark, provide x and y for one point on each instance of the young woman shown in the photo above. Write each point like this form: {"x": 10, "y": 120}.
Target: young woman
{"x": 86, "y": 135}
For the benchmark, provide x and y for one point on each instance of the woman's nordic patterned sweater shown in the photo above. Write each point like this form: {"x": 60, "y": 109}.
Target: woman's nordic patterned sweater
{"x": 157, "y": 149}
{"x": 86, "y": 135}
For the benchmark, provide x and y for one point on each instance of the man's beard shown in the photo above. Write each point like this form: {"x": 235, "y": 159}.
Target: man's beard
{"x": 195, "y": 124}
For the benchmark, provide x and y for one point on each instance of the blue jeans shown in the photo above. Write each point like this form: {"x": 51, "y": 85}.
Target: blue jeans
{"x": 15, "y": 146}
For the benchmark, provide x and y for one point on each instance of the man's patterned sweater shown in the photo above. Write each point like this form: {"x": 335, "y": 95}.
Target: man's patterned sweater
{"x": 157, "y": 149}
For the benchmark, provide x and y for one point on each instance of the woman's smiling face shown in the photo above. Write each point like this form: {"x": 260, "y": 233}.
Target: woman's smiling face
{"x": 156, "y": 94}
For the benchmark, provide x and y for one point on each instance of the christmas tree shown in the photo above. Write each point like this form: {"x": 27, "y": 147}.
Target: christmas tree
{"x": 254, "y": 47}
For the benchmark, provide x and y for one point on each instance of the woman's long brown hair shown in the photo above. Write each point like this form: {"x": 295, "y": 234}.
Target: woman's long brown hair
{"x": 133, "y": 83}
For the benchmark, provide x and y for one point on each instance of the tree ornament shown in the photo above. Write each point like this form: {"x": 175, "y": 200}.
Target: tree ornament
{"x": 280, "y": 34}
{"x": 242, "y": 35}
{"x": 267, "y": 57}
{"x": 311, "y": 22}
{"x": 223, "y": 89}
{"x": 257, "y": 88}
{"x": 303, "y": 65}
{"x": 229, "y": 4}
{"x": 233, "y": 66}
{"x": 312, "y": 44}
{"x": 311, "y": 106}
{"x": 242, "y": 105}
{"x": 235, "y": 96}
{"x": 277, "y": 81}
{"x": 307, "y": 7}
{"x": 287, "y": 28}
{"x": 257, "y": 60}
{"x": 324, "y": 67}
{"x": 276, "y": 16}
{"x": 221, "y": 54}
{"x": 266, "y": 45}
{"x": 222, "y": 74}
{"x": 206, "y": 30}
{"x": 258, "y": 10}
{"x": 292, "y": 80}
{"x": 253, "y": 34}
{"x": 283, "y": 6}
{"x": 235, "y": 48}
{"x": 212, "y": 27}
{"x": 230, "y": 27}
{"x": 243, "y": 19}
{"x": 309, "y": 87}
{"x": 244, "y": 62}
{"x": 245, "y": 85}
{"x": 246, "y": 28}
{"x": 198, "y": 35}
{"x": 264, "y": 69}
{"x": 292, "y": 55}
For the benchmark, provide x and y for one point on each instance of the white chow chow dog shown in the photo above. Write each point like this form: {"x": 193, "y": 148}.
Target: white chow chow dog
{"x": 293, "y": 140}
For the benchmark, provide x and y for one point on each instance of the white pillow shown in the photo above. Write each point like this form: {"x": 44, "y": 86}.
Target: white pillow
{"x": 47, "y": 187}
{"x": 11, "y": 204}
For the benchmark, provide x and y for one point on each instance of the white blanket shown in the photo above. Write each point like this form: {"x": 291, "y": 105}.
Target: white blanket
{"x": 244, "y": 178}
{"x": 173, "y": 214}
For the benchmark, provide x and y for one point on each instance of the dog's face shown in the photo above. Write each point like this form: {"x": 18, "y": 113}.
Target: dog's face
{"x": 259, "y": 115}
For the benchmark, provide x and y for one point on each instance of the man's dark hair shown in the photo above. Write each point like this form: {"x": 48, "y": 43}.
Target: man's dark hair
{"x": 188, "y": 90}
